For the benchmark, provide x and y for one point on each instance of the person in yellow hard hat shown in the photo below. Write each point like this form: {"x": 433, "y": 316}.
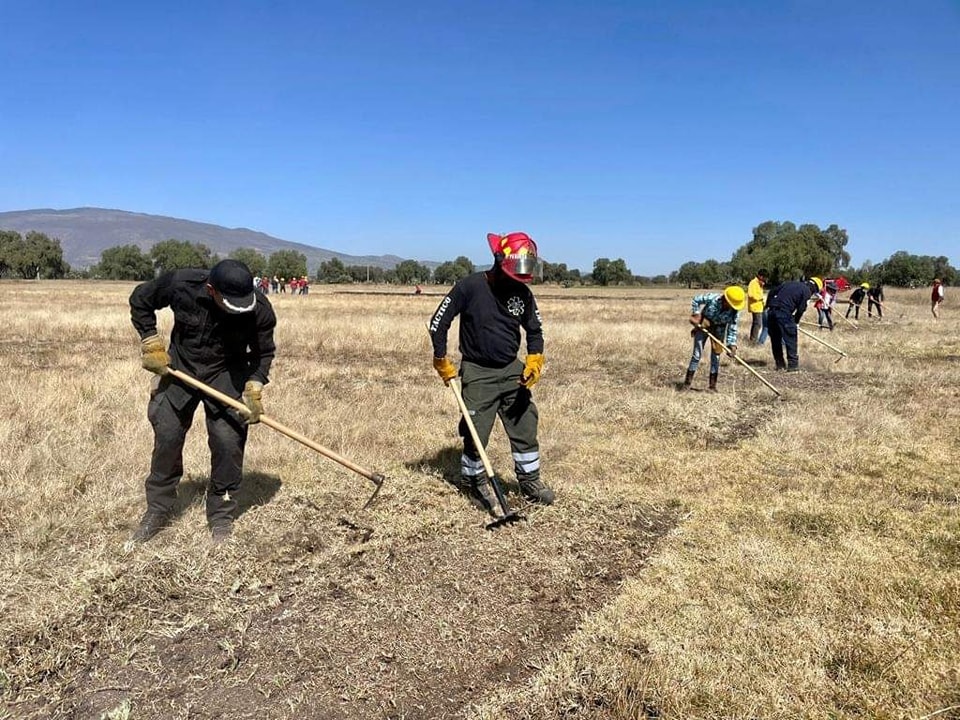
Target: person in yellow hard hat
{"x": 718, "y": 314}
{"x": 856, "y": 300}
{"x": 786, "y": 304}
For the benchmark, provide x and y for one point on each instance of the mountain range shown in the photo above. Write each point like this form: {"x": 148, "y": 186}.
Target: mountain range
{"x": 86, "y": 232}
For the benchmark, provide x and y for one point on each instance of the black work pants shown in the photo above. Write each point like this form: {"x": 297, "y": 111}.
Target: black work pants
{"x": 856, "y": 308}
{"x": 492, "y": 392}
{"x": 783, "y": 334}
{"x": 226, "y": 438}
{"x": 871, "y": 304}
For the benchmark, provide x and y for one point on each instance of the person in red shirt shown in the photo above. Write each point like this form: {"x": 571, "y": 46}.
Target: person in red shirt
{"x": 936, "y": 297}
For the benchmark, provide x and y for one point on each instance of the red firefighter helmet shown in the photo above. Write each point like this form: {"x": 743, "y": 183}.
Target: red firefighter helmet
{"x": 516, "y": 254}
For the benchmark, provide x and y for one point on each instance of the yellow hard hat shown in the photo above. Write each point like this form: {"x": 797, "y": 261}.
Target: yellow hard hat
{"x": 736, "y": 297}
{"x": 818, "y": 282}
{"x": 865, "y": 286}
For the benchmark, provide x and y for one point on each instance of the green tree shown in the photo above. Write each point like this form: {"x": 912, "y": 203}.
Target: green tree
{"x": 611, "y": 272}
{"x": 907, "y": 270}
{"x": 124, "y": 262}
{"x": 11, "y": 245}
{"x": 288, "y": 264}
{"x": 688, "y": 274}
{"x": 38, "y": 256}
{"x": 333, "y": 271}
{"x": 178, "y": 254}
{"x": 409, "y": 272}
{"x": 449, "y": 272}
{"x": 255, "y": 261}
{"x": 787, "y": 251}
{"x": 366, "y": 273}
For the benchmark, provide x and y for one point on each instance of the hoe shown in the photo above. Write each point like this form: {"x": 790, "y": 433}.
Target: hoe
{"x": 376, "y": 478}
{"x": 509, "y": 515}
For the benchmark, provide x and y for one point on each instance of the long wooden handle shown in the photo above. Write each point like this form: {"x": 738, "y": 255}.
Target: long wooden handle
{"x": 822, "y": 342}
{"x": 279, "y": 427}
{"x": 455, "y": 386}
{"x": 742, "y": 362}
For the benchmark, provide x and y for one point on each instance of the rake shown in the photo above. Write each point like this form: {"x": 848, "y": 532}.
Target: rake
{"x": 509, "y": 515}
{"x": 376, "y": 478}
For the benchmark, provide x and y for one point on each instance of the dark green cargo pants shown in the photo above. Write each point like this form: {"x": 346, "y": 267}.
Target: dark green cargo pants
{"x": 488, "y": 392}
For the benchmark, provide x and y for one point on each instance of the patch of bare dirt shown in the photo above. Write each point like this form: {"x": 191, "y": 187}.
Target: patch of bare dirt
{"x": 332, "y": 619}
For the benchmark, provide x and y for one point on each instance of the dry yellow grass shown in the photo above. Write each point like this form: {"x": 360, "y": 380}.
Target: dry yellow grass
{"x": 710, "y": 556}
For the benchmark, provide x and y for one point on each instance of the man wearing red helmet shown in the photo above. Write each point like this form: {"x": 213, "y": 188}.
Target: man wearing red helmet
{"x": 493, "y": 306}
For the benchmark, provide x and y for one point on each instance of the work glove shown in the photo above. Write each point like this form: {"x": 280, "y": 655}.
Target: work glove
{"x": 153, "y": 355}
{"x": 253, "y": 399}
{"x": 733, "y": 350}
{"x": 531, "y": 370}
{"x": 717, "y": 346}
{"x": 445, "y": 369}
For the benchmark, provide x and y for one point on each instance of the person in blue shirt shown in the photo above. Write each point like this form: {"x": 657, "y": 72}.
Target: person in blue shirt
{"x": 719, "y": 314}
{"x": 786, "y": 304}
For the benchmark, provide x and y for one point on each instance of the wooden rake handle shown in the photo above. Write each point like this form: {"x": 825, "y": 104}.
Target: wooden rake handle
{"x": 455, "y": 386}
{"x": 822, "y": 342}
{"x": 742, "y": 362}
{"x": 376, "y": 478}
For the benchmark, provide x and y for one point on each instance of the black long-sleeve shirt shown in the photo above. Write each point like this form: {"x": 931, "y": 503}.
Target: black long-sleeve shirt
{"x": 790, "y": 297}
{"x": 207, "y": 342}
{"x": 857, "y": 296}
{"x": 491, "y": 315}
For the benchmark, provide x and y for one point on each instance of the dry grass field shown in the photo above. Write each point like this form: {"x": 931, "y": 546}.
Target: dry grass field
{"x": 723, "y": 555}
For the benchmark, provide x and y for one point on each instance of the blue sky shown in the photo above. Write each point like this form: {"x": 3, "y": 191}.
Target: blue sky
{"x": 657, "y": 132}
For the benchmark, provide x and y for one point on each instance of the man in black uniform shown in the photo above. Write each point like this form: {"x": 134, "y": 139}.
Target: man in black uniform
{"x": 493, "y": 305}
{"x": 786, "y": 304}
{"x": 223, "y": 336}
{"x": 856, "y": 300}
{"x": 875, "y": 299}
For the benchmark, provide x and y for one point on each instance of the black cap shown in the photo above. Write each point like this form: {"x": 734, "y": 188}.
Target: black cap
{"x": 232, "y": 279}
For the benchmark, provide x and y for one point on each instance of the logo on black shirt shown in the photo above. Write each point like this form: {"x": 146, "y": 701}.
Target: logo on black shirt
{"x": 515, "y": 306}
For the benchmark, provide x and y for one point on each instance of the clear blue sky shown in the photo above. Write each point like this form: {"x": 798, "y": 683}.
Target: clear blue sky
{"x": 658, "y": 132}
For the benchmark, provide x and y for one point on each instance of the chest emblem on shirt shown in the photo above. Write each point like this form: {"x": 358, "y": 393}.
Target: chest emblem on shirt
{"x": 515, "y": 306}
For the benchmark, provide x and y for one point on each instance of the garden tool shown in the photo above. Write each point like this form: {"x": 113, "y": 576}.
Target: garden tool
{"x": 376, "y": 478}
{"x": 716, "y": 340}
{"x": 824, "y": 342}
{"x": 509, "y": 515}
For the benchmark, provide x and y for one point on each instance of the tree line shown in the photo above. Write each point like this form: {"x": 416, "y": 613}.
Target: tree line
{"x": 783, "y": 249}
{"x": 787, "y": 251}
{"x": 32, "y": 256}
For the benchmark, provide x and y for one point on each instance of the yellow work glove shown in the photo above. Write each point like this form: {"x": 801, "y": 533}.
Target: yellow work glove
{"x": 253, "y": 399}
{"x": 153, "y": 355}
{"x": 531, "y": 370}
{"x": 717, "y": 346}
{"x": 445, "y": 369}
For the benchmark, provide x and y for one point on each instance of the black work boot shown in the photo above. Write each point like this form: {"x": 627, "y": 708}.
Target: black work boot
{"x": 713, "y": 382}
{"x": 221, "y": 530}
{"x": 688, "y": 380}
{"x": 151, "y": 523}
{"x": 478, "y": 491}
{"x": 535, "y": 491}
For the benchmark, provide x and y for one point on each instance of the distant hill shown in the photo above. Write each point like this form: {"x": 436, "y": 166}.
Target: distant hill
{"x": 84, "y": 233}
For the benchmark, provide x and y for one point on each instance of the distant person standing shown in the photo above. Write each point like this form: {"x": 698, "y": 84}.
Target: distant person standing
{"x": 875, "y": 299}
{"x": 936, "y": 297}
{"x": 755, "y": 305}
{"x": 856, "y": 300}
{"x": 785, "y": 306}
